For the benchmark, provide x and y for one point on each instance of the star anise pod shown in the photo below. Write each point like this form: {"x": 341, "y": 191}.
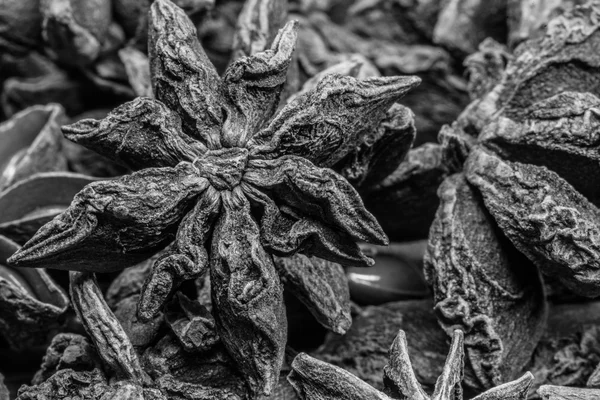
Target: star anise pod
{"x": 318, "y": 380}
{"x": 215, "y": 167}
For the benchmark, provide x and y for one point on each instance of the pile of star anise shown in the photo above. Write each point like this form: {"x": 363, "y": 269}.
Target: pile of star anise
{"x": 300, "y": 199}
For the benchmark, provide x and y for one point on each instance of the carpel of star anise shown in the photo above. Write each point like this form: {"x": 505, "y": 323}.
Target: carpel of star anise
{"x": 223, "y": 183}
{"x": 317, "y": 380}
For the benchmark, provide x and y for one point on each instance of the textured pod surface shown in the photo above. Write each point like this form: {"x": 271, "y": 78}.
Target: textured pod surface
{"x": 483, "y": 285}
{"x": 32, "y": 305}
{"x": 143, "y": 132}
{"x": 379, "y": 152}
{"x": 569, "y": 351}
{"x": 108, "y": 336}
{"x": 363, "y": 351}
{"x": 247, "y": 297}
{"x": 319, "y": 192}
{"x": 543, "y": 216}
{"x": 116, "y": 222}
{"x": 284, "y": 233}
{"x": 324, "y": 124}
{"x": 316, "y": 380}
{"x": 321, "y": 285}
{"x": 567, "y": 393}
{"x": 192, "y": 324}
{"x": 182, "y": 76}
{"x": 561, "y": 133}
{"x": 253, "y": 84}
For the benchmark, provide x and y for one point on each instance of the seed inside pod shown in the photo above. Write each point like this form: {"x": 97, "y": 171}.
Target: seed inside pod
{"x": 396, "y": 275}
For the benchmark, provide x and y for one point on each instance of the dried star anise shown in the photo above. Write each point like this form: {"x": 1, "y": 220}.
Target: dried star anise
{"x": 317, "y": 380}
{"x": 215, "y": 167}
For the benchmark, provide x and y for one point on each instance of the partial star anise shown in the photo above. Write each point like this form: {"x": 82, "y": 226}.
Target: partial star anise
{"x": 213, "y": 165}
{"x": 318, "y": 380}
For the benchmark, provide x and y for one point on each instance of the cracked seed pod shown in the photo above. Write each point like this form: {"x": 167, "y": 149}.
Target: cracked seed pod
{"x": 32, "y": 305}
{"x": 317, "y": 380}
{"x": 543, "y": 216}
{"x": 31, "y": 142}
{"x": 483, "y": 286}
{"x": 217, "y": 172}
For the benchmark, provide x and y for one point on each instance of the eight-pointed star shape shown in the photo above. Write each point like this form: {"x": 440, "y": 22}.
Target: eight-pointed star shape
{"x": 214, "y": 165}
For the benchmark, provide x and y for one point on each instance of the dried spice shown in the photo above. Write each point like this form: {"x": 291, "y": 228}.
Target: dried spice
{"x": 569, "y": 351}
{"x": 484, "y": 286}
{"x": 559, "y": 133}
{"x": 567, "y": 393}
{"x": 314, "y": 379}
{"x": 183, "y": 375}
{"x": 321, "y": 285}
{"x": 29, "y": 204}
{"x": 363, "y": 351}
{"x": 67, "y": 351}
{"x": 32, "y": 305}
{"x": 324, "y": 43}
{"x": 192, "y": 324}
{"x": 31, "y": 142}
{"x": 543, "y": 216}
{"x": 559, "y": 60}
{"x": 209, "y": 155}
{"x": 110, "y": 340}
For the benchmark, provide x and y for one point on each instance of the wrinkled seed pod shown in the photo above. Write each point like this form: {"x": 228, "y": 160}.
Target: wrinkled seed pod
{"x": 483, "y": 286}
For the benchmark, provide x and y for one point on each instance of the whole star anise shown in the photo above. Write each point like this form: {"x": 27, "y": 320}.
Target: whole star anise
{"x": 214, "y": 166}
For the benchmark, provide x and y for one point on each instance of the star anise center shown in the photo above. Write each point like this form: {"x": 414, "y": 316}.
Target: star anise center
{"x": 223, "y": 168}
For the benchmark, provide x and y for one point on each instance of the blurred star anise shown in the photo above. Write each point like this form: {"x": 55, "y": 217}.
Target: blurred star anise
{"x": 213, "y": 164}
{"x": 318, "y": 380}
